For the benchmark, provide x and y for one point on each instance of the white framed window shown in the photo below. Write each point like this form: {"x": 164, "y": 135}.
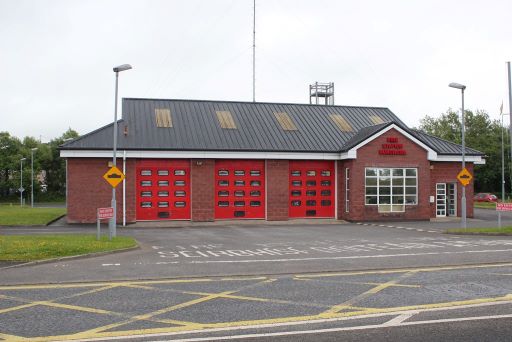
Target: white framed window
{"x": 391, "y": 189}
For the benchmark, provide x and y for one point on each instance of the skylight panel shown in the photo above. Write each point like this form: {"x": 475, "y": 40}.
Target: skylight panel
{"x": 376, "y": 119}
{"x": 341, "y": 122}
{"x": 285, "y": 121}
{"x": 163, "y": 117}
{"x": 225, "y": 119}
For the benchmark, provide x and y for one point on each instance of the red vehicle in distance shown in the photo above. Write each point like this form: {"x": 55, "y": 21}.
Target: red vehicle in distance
{"x": 485, "y": 197}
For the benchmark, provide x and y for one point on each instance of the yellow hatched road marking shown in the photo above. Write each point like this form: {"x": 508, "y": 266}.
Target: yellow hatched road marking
{"x": 161, "y": 311}
{"x": 400, "y": 270}
{"x": 124, "y": 283}
{"x": 228, "y": 296}
{"x": 19, "y": 307}
{"x": 347, "y": 304}
{"x": 8, "y": 337}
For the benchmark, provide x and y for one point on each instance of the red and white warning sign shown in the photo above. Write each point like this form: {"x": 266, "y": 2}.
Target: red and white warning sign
{"x": 504, "y": 206}
{"x": 105, "y": 213}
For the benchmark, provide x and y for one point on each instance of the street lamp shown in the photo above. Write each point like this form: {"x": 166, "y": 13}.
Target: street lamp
{"x": 502, "y": 164}
{"x": 32, "y": 150}
{"x": 113, "y": 221}
{"x": 21, "y": 181}
{"x": 463, "y": 200}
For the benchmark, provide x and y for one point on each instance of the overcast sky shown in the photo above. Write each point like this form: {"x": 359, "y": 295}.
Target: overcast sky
{"x": 56, "y": 57}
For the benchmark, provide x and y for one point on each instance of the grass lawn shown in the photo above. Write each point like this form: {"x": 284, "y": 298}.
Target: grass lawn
{"x": 21, "y": 216}
{"x": 482, "y": 231}
{"x": 484, "y": 205}
{"x": 39, "y": 247}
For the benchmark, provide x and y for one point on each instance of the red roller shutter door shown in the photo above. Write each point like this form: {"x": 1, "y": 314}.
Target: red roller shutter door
{"x": 163, "y": 189}
{"x": 239, "y": 189}
{"x": 312, "y": 188}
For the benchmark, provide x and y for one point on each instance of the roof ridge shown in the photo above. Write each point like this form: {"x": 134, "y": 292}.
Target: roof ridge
{"x": 250, "y": 102}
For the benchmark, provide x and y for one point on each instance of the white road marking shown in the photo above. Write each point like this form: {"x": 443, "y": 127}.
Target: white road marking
{"x": 344, "y": 257}
{"x": 366, "y": 327}
{"x": 110, "y": 264}
{"x": 318, "y": 321}
{"x": 399, "y": 319}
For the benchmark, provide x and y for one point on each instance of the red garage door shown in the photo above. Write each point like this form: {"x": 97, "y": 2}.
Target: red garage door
{"x": 311, "y": 188}
{"x": 163, "y": 189}
{"x": 239, "y": 189}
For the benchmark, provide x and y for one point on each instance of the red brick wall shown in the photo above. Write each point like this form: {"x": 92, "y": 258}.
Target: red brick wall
{"x": 203, "y": 189}
{"x": 368, "y": 156}
{"x": 446, "y": 172}
{"x": 277, "y": 190}
{"x": 342, "y": 165}
{"x": 87, "y": 190}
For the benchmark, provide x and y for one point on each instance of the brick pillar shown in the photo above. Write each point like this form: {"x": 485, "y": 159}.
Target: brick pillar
{"x": 277, "y": 190}
{"x": 203, "y": 189}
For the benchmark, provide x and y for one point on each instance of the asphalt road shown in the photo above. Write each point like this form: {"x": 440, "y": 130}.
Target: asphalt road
{"x": 249, "y": 250}
{"x": 321, "y": 282}
{"x": 399, "y": 304}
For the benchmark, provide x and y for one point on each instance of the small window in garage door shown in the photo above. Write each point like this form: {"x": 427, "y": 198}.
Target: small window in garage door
{"x": 239, "y": 189}
{"x": 163, "y": 189}
{"x": 311, "y": 188}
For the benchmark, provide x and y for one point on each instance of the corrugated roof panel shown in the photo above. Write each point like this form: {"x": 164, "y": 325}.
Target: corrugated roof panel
{"x": 197, "y": 127}
{"x": 225, "y": 119}
{"x": 342, "y": 124}
{"x": 163, "y": 117}
{"x": 285, "y": 121}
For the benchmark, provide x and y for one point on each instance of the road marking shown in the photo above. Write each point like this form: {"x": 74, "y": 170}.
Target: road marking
{"x": 347, "y": 304}
{"x": 187, "y": 327}
{"x": 401, "y": 270}
{"x": 399, "y": 319}
{"x": 319, "y": 331}
{"x": 318, "y": 321}
{"x": 343, "y": 257}
{"x": 122, "y": 283}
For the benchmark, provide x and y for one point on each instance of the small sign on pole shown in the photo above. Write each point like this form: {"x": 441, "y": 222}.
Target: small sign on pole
{"x": 464, "y": 177}
{"x": 103, "y": 214}
{"x": 503, "y": 206}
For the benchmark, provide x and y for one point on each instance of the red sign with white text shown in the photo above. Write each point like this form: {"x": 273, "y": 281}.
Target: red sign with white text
{"x": 392, "y": 147}
{"x": 504, "y": 206}
{"x": 105, "y": 213}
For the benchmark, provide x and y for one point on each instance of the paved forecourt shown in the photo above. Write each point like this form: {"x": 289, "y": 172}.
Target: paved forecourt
{"x": 209, "y": 307}
{"x": 253, "y": 250}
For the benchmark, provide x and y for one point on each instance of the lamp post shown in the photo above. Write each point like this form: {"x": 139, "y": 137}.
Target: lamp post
{"x": 21, "y": 181}
{"x": 113, "y": 221}
{"x": 463, "y": 200}
{"x": 502, "y": 164}
{"x": 32, "y": 150}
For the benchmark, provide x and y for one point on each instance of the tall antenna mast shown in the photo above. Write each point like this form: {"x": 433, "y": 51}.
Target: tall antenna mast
{"x": 254, "y": 52}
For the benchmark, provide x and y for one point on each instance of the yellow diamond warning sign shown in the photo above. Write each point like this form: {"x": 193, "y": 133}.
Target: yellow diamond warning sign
{"x": 114, "y": 176}
{"x": 464, "y": 177}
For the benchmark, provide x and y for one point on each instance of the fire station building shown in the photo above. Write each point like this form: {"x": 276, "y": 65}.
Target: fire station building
{"x": 219, "y": 160}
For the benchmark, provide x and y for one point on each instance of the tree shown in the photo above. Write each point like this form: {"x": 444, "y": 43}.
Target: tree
{"x": 46, "y": 159}
{"x": 482, "y": 134}
{"x": 55, "y": 166}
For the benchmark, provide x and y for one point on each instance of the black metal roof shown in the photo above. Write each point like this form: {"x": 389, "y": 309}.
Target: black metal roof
{"x": 196, "y": 128}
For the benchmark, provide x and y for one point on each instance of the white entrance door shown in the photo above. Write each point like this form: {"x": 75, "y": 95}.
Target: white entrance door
{"x": 452, "y": 199}
{"x": 441, "y": 200}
